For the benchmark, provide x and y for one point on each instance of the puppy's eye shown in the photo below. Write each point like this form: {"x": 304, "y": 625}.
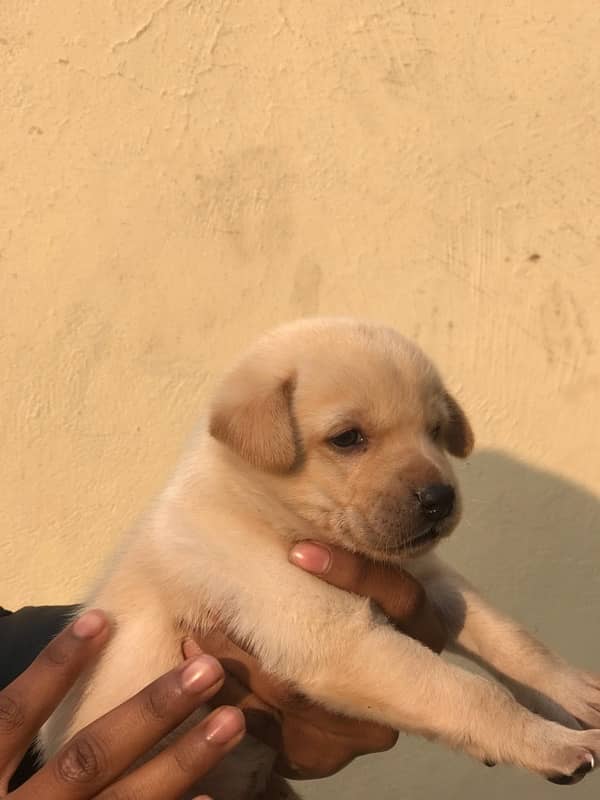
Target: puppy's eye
{"x": 435, "y": 431}
{"x": 347, "y": 439}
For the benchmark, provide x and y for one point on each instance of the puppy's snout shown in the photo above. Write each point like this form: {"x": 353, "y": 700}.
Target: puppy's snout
{"x": 437, "y": 500}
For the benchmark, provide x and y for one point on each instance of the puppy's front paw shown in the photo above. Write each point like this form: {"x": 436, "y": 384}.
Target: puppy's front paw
{"x": 578, "y": 693}
{"x": 566, "y": 756}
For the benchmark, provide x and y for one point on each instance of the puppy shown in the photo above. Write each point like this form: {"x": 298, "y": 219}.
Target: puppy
{"x": 339, "y": 431}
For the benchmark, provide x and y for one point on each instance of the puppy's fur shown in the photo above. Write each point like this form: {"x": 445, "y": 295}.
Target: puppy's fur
{"x": 263, "y": 473}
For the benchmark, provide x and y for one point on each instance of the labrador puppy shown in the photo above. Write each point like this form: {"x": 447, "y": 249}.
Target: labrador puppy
{"x": 335, "y": 430}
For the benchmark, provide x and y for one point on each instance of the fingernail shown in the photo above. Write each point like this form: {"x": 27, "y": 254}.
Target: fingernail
{"x": 89, "y": 625}
{"x": 225, "y": 725}
{"x": 312, "y": 557}
{"x": 200, "y": 674}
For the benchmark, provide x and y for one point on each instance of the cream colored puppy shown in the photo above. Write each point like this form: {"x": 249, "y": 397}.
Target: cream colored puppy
{"x": 339, "y": 431}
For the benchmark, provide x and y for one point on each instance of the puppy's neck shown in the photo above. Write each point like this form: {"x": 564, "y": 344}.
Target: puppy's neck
{"x": 217, "y": 483}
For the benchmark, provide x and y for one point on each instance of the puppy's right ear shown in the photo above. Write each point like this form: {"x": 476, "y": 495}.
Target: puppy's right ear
{"x": 460, "y": 439}
{"x": 252, "y": 414}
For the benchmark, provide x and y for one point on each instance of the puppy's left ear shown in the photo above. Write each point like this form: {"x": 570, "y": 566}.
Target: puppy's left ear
{"x": 459, "y": 435}
{"x": 252, "y": 414}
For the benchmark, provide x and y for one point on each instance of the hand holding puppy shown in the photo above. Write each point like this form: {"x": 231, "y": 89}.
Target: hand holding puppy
{"x": 92, "y": 763}
{"x": 313, "y": 742}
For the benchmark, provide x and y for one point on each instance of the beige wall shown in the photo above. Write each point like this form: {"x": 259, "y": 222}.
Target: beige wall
{"x": 176, "y": 176}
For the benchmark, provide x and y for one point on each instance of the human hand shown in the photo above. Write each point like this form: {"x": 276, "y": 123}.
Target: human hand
{"x": 400, "y": 596}
{"x": 91, "y": 764}
{"x": 313, "y": 742}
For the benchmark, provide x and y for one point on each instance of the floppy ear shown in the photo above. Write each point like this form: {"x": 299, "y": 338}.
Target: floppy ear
{"x": 458, "y": 432}
{"x": 252, "y": 415}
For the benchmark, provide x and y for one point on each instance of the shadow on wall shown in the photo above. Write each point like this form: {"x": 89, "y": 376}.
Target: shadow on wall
{"x": 530, "y": 540}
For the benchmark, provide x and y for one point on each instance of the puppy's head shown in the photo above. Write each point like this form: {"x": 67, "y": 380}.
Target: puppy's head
{"x": 350, "y": 426}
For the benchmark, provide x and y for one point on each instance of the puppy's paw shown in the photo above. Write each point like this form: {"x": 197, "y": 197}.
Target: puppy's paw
{"x": 564, "y": 756}
{"x": 578, "y": 693}
{"x": 575, "y": 777}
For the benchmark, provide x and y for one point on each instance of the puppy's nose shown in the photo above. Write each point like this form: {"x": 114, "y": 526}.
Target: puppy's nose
{"x": 437, "y": 500}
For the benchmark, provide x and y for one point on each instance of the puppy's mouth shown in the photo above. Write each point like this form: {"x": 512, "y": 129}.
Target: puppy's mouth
{"x": 427, "y": 537}
{"x": 415, "y": 545}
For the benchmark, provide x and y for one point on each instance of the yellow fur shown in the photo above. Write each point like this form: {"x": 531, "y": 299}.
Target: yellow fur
{"x": 262, "y": 474}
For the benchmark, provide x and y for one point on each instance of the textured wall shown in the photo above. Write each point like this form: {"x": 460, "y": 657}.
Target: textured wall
{"x": 176, "y": 176}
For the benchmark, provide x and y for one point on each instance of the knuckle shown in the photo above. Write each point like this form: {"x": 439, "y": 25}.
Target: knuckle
{"x": 82, "y": 761}
{"x": 186, "y": 756}
{"x": 156, "y": 703}
{"x": 387, "y": 740}
{"x": 12, "y": 714}
{"x": 56, "y": 654}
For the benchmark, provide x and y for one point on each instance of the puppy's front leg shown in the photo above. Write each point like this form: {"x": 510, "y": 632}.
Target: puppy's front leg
{"x": 539, "y": 679}
{"x": 391, "y": 678}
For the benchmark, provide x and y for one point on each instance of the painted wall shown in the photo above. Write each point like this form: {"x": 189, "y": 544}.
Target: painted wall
{"x": 176, "y": 176}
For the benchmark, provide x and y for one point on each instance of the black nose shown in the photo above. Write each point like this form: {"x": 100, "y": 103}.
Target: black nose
{"x": 437, "y": 500}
